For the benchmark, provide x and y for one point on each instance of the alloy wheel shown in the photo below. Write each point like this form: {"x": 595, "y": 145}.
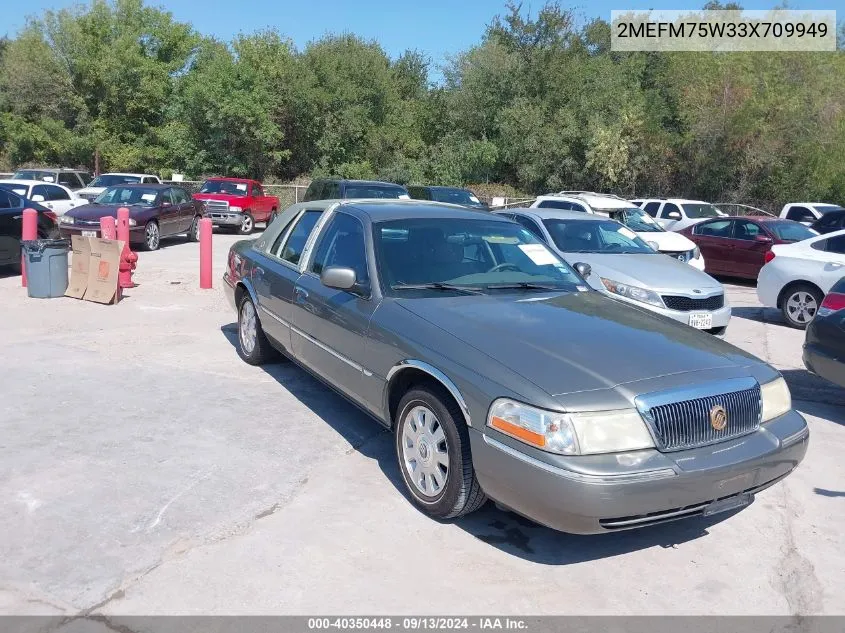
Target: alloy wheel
{"x": 802, "y": 307}
{"x": 247, "y": 225}
{"x": 425, "y": 452}
{"x": 152, "y": 237}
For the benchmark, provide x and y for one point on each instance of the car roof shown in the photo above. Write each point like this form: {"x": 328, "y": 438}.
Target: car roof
{"x": 546, "y": 213}
{"x": 358, "y": 182}
{"x": 595, "y": 200}
{"x": 126, "y": 173}
{"x": 145, "y": 185}
{"x": 28, "y": 183}
{"x": 231, "y": 179}
{"x": 70, "y": 169}
{"x": 812, "y": 204}
{"x": 381, "y": 210}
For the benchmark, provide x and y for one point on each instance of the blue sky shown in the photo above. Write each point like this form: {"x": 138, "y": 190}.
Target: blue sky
{"x": 436, "y": 27}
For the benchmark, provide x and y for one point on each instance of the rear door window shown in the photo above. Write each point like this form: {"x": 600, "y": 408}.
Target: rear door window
{"x": 555, "y": 204}
{"x": 290, "y": 250}
{"x": 529, "y": 224}
{"x": 8, "y": 200}
{"x": 719, "y": 228}
{"x": 747, "y": 231}
{"x": 56, "y": 193}
{"x": 651, "y": 208}
{"x": 800, "y": 214}
{"x": 668, "y": 208}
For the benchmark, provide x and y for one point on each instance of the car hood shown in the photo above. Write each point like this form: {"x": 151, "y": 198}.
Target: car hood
{"x": 97, "y": 211}
{"x": 218, "y": 196}
{"x": 653, "y": 271}
{"x": 573, "y": 342}
{"x": 88, "y": 191}
{"x": 668, "y": 240}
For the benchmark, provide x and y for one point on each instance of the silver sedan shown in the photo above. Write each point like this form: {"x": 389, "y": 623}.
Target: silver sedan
{"x": 625, "y": 267}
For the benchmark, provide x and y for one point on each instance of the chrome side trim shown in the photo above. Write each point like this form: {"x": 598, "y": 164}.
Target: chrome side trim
{"x": 622, "y": 478}
{"x": 801, "y": 435}
{"x": 273, "y": 315}
{"x": 328, "y": 349}
{"x": 435, "y": 373}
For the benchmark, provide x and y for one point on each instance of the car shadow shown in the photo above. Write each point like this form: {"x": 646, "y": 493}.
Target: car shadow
{"x": 736, "y": 281}
{"x": 829, "y": 493}
{"x": 769, "y": 316}
{"x": 811, "y": 391}
{"x": 502, "y": 529}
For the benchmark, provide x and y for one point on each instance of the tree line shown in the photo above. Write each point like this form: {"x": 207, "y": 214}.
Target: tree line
{"x": 539, "y": 104}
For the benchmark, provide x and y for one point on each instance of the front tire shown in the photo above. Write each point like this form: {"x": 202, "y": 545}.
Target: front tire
{"x": 253, "y": 346}
{"x": 152, "y": 236}
{"x": 247, "y": 224}
{"x": 800, "y": 304}
{"x": 433, "y": 452}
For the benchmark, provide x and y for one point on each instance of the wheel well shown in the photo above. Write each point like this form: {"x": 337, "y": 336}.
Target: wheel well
{"x": 240, "y": 289}
{"x": 411, "y": 378}
{"x": 793, "y": 284}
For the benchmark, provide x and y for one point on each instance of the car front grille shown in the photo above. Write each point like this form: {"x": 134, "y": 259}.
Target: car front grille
{"x": 212, "y": 206}
{"x": 688, "y": 423}
{"x": 688, "y": 304}
{"x": 679, "y": 255}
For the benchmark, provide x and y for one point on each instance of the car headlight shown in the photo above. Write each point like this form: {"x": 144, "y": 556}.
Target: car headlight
{"x": 235, "y": 209}
{"x": 133, "y": 222}
{"x": 776, "y": 399}
{"x": 67, "y": 219}
{"x": 633, "y": 292}
{"x": 570, "y": 433}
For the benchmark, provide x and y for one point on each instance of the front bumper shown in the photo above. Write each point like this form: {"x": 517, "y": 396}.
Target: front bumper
{"x": 229, "y": 291}
{"x": 225, "y": 218}
{"x": 599, "y": 493}
{"x": 821, "y": 363}
{"x": 136, "y": 233}
{"x": 720, "y": 317}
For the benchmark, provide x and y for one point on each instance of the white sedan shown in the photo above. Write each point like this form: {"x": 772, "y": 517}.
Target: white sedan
{"x": 797, "y": 276}
{"x": 58, "y": 198}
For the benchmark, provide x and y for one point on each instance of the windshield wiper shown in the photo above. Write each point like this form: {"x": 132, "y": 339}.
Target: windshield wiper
{"x": 436, "y": 285}
{"x": 525, "y": 285}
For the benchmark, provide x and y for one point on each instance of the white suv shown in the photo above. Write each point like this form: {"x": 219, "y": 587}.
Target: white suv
{"x": 676, "y": 214}
{"x": 673, "y": 244}
{"x": 104, "y": 181}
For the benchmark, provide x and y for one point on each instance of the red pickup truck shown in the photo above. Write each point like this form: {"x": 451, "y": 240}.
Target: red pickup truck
{"x": 237, "y": 203}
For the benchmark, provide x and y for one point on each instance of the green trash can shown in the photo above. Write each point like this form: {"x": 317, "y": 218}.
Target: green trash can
{"x": 46, "y": 264}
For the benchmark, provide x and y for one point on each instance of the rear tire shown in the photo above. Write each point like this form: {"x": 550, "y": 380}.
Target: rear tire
{"x": 253, "y": 346}
{"x": 433, "y": 453}
{"x": 799, "y": 304}
{"x": 194, "y": 230}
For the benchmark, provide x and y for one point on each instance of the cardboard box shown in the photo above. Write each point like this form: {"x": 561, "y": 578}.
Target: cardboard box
{"x": 103, "y": 268}
{"x": 81, "y": 257}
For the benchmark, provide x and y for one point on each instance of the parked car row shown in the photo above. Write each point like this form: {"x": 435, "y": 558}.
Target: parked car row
{"x": 505, "y": 371}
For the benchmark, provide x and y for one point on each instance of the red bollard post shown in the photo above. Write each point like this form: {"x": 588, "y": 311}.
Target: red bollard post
{"x": 107, "y": 228}
{"x": 29, "y": 231}
{"x": 205, "y": 253}
{"x": 128, "y": 259}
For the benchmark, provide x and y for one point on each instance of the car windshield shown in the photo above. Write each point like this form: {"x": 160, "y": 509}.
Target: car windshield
{"x": 34, "y": 174}
{"x": 375, "y": 191}
{"x": 827, "y": 208}
{"x": 455, "y": 196}
{"x": 107, "y": 180}
{"x": 635, "y": 219}
{"x": 225, "y": 187}
{"x": 701, "y": 210}
{"x": 791, "y": 231}
{"x": 130, "y": 196}
{"x": 465, "y": 255}
{"x": 595, "y": 236}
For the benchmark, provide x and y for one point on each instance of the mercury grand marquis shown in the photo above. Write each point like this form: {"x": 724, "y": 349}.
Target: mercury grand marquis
{"x": 504, "y": 375}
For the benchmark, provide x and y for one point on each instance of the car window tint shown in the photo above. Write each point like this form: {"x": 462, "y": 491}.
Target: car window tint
{"x": 180, "y": 196}
{"x": 555, "y": 204}
{"x": 8, "y": 200}
{"x": 39, "y": 190}
{"x": 342, "y": 244}
{"x": 721, "y": 228}
{"x": 84, "y": 178}
{"x": 529, "y": 224}
{"x": 668, "y": 208}
{"x": 56, "y": 193}
{"x": 292, "y": 248}
{"x": 257, "y": 190}
{"x": 68, "y": 179}
{"x": 836, "y": 245}
{"x": 800, "y": 214}
{"x": 744, "y": 230}
{"x": 651, "y": 208}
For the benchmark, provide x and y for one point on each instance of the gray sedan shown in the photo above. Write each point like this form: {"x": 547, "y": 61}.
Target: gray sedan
{"x": 503, "y": 375}
{"x": 625, "y": 267}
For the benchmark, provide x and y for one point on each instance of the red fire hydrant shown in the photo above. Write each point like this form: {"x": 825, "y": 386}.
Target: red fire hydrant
{"x": 128, "y": 259}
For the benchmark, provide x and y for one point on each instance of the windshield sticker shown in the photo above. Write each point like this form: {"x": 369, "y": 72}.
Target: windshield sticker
{"x": 148, "y": 197}
{"x": 48, "y": 179}
{"x": 500, "y": 239}
{"x": 240, "y": 186}
{"x": 474, "y": 199}
{"x": 626, "y": 232}
{"x": 647, "y": 219}
{"x": 404, "y": 196}
{"x": 538, "y": 254}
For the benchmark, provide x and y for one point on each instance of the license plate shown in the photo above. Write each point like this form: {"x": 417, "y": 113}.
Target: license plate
{"x": 89, "y": 233}
{"x": 731, "y": 503}
{"x": 701, "y": 320}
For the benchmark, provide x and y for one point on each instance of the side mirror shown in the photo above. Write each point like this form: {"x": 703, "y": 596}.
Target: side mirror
{"x": 654, "y": 245}
{"x": 584, "y": 269}
{"x": 763, "y": 239}
{"x": 673, "y": 215}
{"x": 37, "y": 198}
{"x": 338, "y": 277}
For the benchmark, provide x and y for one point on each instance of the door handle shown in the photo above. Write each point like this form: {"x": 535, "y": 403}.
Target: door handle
{"x": 300, "y": 293}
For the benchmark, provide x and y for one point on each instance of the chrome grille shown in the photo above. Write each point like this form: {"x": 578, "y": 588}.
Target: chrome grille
{"x": 216, "y": 205}
{"x": 686, "y": 423}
